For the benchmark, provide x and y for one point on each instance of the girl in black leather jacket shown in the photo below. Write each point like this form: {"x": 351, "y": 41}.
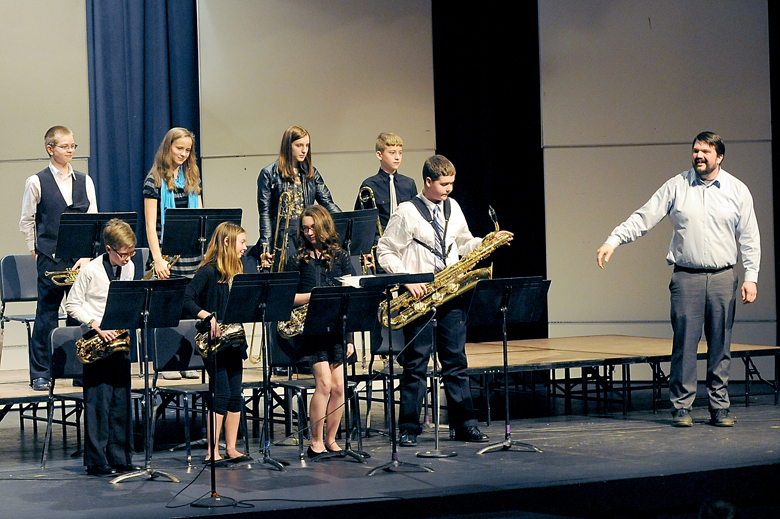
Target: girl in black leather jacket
{"x": 292, "y": 172}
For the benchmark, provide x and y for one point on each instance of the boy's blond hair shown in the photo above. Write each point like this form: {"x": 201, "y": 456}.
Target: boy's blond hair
{"x": 387, "y": 139}
{"x": 53, "y": 135}
{"x": 118, "y": 234}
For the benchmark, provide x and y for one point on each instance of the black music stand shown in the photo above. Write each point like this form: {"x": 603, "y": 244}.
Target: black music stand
{"x": 80, "y": 235}
{"x": 249, "y": 301}
{"x": 342, "y": 310}
{"x": 182, "y": 225}
{"x": 390, "y": 282}
{"x": 356, "y": 229}
{"x": 145, "y": 304}
{"x": 505, "y": 301}
{"x": 436, "y": 452}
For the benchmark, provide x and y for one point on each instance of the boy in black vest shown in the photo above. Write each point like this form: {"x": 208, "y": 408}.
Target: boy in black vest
{"x": 55, "y": 190}
{"x": 428, "y": 234}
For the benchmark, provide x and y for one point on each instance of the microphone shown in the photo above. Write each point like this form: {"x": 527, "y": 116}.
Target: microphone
{"x": 204, "y": 325}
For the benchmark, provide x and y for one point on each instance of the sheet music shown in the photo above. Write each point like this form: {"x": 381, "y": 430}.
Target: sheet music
{"x": 354, "y": 281}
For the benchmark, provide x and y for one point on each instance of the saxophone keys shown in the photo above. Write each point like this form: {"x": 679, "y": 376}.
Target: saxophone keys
{"x": 421, "y": 307}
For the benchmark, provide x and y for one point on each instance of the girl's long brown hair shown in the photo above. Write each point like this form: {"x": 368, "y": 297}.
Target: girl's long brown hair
{"x": 325, "y": 229}
{"x": 286, "y": 162}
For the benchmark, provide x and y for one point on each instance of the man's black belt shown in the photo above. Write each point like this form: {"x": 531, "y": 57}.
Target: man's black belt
{"x": 688, "y": 270}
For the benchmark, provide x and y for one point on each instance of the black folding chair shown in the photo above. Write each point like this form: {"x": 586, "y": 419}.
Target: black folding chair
{"x": 64, "y": 365}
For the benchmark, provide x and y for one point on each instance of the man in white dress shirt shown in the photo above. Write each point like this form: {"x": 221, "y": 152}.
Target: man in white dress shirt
{"x": 710, "y": 211}
{"x": 47, "y": 194}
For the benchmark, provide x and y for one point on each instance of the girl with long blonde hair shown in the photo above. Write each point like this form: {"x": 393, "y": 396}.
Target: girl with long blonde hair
{"x": 206, "y": 298}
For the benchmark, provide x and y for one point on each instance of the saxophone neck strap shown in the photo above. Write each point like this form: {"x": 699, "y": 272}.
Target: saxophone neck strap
{"x": 428, "y": 217}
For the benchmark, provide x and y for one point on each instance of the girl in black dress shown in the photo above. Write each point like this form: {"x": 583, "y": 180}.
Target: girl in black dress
{"x": 206, "y": 298}
{"x": 320, "y": 261}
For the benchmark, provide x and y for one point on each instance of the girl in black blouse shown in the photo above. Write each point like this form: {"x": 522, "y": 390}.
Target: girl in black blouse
{"x": 206, "y": 298}
{"x": 320, "y": 261}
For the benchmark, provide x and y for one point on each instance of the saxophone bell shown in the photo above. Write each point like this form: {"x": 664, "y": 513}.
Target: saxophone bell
{"x": 91, "y": 347}
{"x": 230, "y": 335}
{"x": 293, "y": 327}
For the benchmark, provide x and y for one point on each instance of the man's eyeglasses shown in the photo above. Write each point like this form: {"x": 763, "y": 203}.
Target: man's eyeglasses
{"x": 67, "y": 147}
{"x": 123, "y": 255}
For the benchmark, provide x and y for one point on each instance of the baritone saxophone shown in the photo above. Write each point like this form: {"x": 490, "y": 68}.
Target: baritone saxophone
{"x": 447, "y": 284}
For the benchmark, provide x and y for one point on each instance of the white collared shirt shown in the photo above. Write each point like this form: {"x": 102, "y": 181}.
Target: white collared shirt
{"x": 397, "y": 252}
{"x": 707, "y": 221}
{"x": 88, "y": 295}
{"x": 32, "y": 197}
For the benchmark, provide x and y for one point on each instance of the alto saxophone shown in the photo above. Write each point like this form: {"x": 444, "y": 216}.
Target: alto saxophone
{"x": 230, "y": 335}
{"x": 293, "y": 327}
{"x": 92, "y": 347}
{"x": 447, "y": 284}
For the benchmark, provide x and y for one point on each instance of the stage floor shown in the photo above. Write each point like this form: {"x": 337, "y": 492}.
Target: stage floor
{"x": 596, "y": 465}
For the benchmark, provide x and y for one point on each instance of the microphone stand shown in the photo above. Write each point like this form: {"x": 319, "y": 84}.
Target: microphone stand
{"x": 213, "y": 499}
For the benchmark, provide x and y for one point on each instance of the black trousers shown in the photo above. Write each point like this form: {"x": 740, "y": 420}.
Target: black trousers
{"x": 46, "y": 316}
{"x": 451, "y": 349}
{"x": 108, "y": 424}
{"x": 227, "y": 378}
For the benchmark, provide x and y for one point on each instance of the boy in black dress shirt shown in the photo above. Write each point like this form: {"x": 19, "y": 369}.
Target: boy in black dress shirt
{"x": 389, "y": 151}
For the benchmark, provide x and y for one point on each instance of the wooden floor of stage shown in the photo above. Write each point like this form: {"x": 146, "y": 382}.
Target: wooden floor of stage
{"x": 599, "y": 464}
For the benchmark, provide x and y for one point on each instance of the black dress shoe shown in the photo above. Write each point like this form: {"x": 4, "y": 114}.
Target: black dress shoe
{"x": 40, "y": 384}
{"x": 126, "y": 468}
{"x": 408, "y": 440}
{"x": 311, "y": 453}
{"x": 470, "y": 434}
{"x": 100, "y": 470}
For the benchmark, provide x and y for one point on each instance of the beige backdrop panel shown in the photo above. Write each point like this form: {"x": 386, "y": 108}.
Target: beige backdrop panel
{"x": 633, "y": 289}
{"x": 637, "y": 71}
{"x": 44, "y": 74}
{"x": 345, "y": 71}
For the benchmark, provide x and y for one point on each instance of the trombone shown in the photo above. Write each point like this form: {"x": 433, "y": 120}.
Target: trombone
{"x": 280, "y": 245}
{"x": 366, "y": 198}
{"x": 278, "y": 255}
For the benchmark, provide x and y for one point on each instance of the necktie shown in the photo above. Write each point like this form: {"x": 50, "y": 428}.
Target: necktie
{"x": 393, "y": 200}
{"x": 437, "y": 226}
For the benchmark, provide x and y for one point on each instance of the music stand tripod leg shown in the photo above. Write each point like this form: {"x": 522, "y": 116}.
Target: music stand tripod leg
{"x": 347, "y": 451}
{"x": 148, "y": 445}
{"x": 507, "y": 444}
{"x": 394, "y": 465}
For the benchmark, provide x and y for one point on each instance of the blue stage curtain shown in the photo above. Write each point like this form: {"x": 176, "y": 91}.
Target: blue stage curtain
{"x": 143, "y": 80}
